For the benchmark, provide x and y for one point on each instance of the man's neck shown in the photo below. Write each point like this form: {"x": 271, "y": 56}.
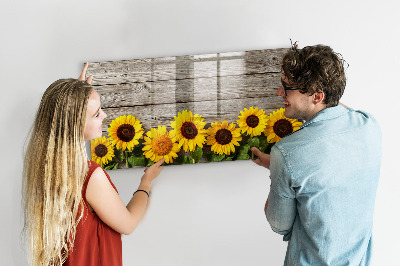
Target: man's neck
{"x": 318, "y": 108}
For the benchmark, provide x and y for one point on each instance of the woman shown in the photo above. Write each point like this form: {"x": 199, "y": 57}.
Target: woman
{"x": 73, "y": 213}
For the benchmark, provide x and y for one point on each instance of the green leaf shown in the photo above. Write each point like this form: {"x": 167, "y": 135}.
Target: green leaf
{"x": 213, "y": 157}
{"x": 263, "y": 143}
{"x": 188, "y": 160}
{"x": 120, "y": 155}
{"x": 137, "y": 160}
{"x": 197, "y": 154}
{"x": 150, "y": 163}
{"x": 179, "y": 160}
{"x": 254, "y": 142}
{"x": 243, "y": 157}
{"x": 140, "y": 161}
{"x": 108, "y": 167}
{"x": 244, "y": 149}
{"x": 111, "y": 166}
{"x": 182, "y": 159}
{"x": 128, "y": 164}
{"x": 138, "y": 149}
{"x": 230, "y": 158}
{"x": 115, "y": 166}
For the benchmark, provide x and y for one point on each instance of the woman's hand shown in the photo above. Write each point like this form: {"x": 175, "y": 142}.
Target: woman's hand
{"x": 263, "y": 158}
{"x": 83, "y": 74}
{"x": 150, "y": 173}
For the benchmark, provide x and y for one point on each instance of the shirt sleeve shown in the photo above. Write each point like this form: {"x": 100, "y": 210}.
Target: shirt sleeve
{"x": 281, "y": 210}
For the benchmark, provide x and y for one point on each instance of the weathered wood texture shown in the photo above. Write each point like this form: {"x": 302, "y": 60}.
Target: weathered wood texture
{"x": 215, "y": 86}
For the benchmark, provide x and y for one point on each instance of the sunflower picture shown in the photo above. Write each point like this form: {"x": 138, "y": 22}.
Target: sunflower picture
{"x": 125, "y": 132}
{"x": 223, "y": 137}
{"x": 189, "y": 130}
{"x": 160, "y": 143}
{"x": 215, "y": 104}
{"x": 102, "y": 150}
{"x": 279, "y": 126}
{"x": 184, "y": 143}
{"x": 253, "y": 121}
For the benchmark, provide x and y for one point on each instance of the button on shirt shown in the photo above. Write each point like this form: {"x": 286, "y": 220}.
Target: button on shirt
{"x": 323, "y": 183}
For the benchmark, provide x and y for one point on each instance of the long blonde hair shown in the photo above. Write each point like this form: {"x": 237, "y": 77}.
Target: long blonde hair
{"x": 55, "y": 167}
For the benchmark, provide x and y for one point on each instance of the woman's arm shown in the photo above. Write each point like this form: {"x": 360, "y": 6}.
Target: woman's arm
{"x": 343, "y": 105}
{"x": 108, "y": 205}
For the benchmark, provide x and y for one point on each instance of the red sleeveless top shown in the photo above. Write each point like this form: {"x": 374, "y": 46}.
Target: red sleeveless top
{"x": 95, "y": 242}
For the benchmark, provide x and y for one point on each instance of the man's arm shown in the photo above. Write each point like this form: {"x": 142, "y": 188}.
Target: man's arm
{"x": 281, "y": 207}
{"x": 280, "y": 213}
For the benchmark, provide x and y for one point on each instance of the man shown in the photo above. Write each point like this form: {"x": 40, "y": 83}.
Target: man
{"x": 323, "y": 176}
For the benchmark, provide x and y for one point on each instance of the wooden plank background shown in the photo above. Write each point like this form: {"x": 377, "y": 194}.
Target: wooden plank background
{"x": 215, "y": 86}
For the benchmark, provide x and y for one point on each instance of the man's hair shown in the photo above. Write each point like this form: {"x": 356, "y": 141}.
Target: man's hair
{"x": 316, "y": 69}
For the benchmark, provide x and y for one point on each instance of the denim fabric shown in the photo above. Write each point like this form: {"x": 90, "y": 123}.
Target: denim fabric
{"x": 323, "y": 183}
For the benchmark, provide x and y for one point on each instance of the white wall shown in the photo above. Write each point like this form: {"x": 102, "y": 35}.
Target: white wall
{"x": 207, "y": 214}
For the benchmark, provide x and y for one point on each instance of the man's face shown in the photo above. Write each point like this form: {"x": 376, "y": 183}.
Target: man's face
{"x": 297, "y": 104}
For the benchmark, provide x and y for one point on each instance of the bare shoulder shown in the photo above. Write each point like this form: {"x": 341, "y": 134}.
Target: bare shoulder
{"x": 98, "y": 173}
{"x": 106, "y": 202}
{"x": 98, "y": 184}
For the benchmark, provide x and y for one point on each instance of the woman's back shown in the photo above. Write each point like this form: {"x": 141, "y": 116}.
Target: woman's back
{"x": 95, "y": 242}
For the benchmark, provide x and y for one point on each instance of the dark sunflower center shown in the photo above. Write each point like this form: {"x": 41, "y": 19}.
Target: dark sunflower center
{"x": 101, "y": 150}
{"x": 126, "y": 132}
{"x": 189, "y": 130}
{"x": 283, "y": 128}
{"x": 223, "y": 136}
{"x": 252, "y": 121}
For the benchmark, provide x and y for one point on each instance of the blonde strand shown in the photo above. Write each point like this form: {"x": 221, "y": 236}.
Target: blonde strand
{"x": 55, "y": 166}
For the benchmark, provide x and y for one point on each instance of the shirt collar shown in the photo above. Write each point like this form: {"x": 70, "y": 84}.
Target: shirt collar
{"x": 326, "y": 114}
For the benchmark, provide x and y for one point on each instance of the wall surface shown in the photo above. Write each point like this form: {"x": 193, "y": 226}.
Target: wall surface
{"x": 208, "y": 214}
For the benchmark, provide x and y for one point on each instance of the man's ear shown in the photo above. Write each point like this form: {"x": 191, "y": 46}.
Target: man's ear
{"x": 318, "y": 97}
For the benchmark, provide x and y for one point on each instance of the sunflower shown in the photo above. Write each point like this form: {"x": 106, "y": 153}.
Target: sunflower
{"x": 159, "y": 143}
{"x": 189, "y": 130}
{"x": 102, "y": 150}
{"x": 223, "y": 137}
{"x": 278, "y": 126}
{"x": 252, "y": 121}
{"x": 125, "y": 132}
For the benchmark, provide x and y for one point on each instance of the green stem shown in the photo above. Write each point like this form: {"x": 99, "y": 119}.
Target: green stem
{"x": 126, "y": 159}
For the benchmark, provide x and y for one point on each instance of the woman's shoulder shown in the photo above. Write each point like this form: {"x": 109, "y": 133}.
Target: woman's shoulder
{"x": 93, "y": 164}
{"x": 97, "y": 172}
{"x": 92, "y": 168}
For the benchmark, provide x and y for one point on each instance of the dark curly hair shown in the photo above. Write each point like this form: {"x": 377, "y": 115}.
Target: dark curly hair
{"x": 316, "y": 69}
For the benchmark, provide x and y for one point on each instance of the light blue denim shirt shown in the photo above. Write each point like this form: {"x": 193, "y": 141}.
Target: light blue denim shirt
{"x": 323, "y": 183}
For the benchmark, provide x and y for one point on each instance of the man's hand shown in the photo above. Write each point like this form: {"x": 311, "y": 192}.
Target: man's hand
{"x": 263, "y": 159}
